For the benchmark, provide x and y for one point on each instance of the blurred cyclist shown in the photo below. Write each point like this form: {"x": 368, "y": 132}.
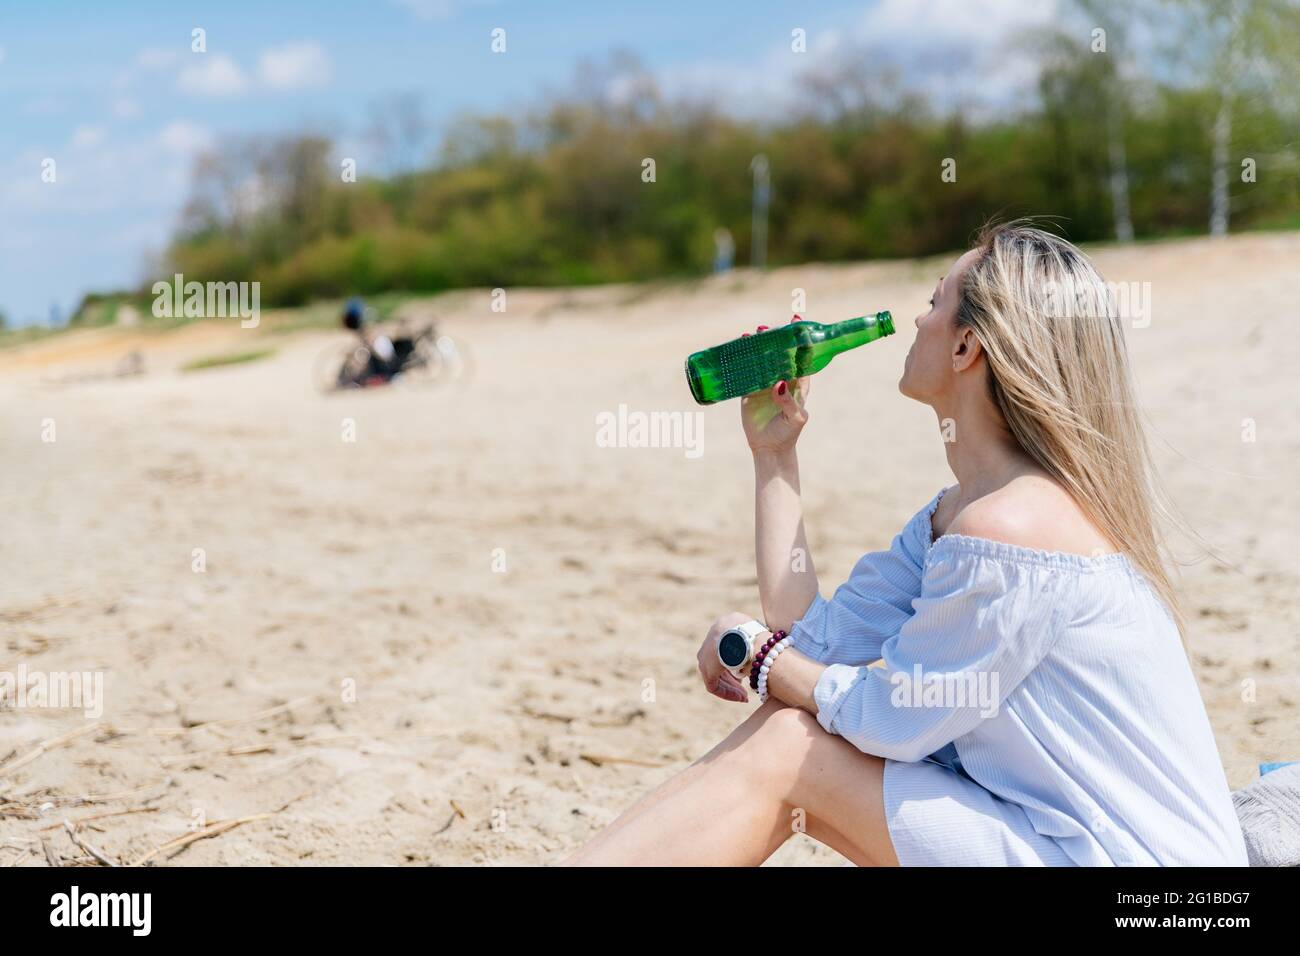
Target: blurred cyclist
{"x": 384, "y": 362}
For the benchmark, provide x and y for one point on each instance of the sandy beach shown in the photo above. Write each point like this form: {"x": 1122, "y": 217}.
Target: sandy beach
{"x": 468, "y": 636}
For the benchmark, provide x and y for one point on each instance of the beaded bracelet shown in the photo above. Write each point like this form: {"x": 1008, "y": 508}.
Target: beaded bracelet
{"x": 758, "y": 658}
{"x": 770, "y": 659}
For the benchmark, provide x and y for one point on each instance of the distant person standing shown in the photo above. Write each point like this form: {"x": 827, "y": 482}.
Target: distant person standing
{"x": 724, "y": 250}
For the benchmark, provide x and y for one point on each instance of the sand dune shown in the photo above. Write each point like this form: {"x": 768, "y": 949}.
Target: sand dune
{"x": 469, "y": 635}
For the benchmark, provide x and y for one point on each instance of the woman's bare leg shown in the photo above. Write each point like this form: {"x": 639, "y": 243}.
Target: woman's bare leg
{"x": 674, "y": 784}
{"x": 777, "y": 772}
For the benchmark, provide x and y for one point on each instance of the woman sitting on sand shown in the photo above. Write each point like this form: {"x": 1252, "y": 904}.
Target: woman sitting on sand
{"x": 1032, "y": 703}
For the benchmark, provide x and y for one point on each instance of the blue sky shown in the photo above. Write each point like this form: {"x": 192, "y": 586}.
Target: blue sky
{"x": 113, "y": 93}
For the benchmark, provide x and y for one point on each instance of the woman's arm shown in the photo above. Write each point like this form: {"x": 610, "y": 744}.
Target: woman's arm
{"x": 981, "y": 626}
{"x": 787, "y": 577}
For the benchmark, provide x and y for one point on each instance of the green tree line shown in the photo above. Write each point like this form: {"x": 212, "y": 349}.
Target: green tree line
{"x": 1111, "y": 144}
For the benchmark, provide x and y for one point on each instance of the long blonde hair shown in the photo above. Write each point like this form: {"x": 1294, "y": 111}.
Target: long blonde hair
{"x": 1059, "y": 372}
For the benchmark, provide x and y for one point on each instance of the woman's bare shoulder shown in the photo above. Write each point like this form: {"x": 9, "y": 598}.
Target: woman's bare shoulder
{"x": 1032, "y": 512}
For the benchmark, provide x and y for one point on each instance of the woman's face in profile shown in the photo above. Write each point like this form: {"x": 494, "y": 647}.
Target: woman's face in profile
{"x": 927, "y": 370}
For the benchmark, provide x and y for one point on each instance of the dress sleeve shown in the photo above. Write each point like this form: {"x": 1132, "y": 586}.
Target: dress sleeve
{"x": 982, "y": 623}
{"x": 872, "y": 604}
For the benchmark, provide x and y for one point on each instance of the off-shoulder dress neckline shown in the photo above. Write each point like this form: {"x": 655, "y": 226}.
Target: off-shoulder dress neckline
{"x": 1002, "y": 550}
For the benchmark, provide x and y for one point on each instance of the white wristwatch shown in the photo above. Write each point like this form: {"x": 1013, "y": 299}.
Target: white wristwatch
{"x": 736, "y": 646}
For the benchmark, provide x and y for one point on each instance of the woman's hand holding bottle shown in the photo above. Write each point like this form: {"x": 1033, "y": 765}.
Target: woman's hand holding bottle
{"x": 773, "y": 418}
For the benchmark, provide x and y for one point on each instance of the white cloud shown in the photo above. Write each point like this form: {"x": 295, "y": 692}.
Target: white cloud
{"x": 294, "y": 66}
{"x": 156, "y": 58}
{"x": 148, "y": 60}
{"x": 45, "y": 106}
{"x": 183, "y": 137}
{"x": 757, "y": 88}
{"x": 148, "y": 174}
{"x": 429, "y": 9}
{"x": 957, "y": 51}
{"x": 438, "y": 9}
{"x": 950, "y": 21}
{"x": 125, "y": 108}
{"x": 212, "y": 74}
{"x": 88, "y": 137}
{"x": 954, "y": 51}
{"x": 291, "y": 66}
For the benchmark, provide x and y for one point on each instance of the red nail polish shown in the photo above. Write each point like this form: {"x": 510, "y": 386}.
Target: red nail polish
{"x": 744, "y": 335}
{"x": 763, "y": 328}
{"x": 780, "y": 389}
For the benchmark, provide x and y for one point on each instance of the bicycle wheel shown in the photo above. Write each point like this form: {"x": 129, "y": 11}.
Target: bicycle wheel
{"x": 339, "y": 366}
{"x": 457, "y": 360}
{"x": 424, "y": 366}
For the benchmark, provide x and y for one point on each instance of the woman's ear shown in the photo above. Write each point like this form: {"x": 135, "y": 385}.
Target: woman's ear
{"x": 966, "y": 349}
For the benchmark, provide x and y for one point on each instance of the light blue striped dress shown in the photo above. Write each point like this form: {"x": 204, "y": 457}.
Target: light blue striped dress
{"x": 1034, "y": 707}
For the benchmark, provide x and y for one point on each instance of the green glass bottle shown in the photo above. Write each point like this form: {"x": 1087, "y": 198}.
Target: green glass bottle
{"x": 755, "y": 362}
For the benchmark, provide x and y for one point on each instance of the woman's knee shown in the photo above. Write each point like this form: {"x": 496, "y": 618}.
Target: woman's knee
{"x": 791, "y": 727}
{"x": 778, "y": 745}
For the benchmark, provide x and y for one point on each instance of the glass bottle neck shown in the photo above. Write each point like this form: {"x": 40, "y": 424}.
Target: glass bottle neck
{"x": 857, "y": 331}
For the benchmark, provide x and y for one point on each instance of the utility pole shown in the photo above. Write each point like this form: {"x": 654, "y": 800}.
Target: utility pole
{"x": 762, "y": 199}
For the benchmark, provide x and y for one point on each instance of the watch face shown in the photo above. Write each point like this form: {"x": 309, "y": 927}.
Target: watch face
{"x": 733, "y": 649}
